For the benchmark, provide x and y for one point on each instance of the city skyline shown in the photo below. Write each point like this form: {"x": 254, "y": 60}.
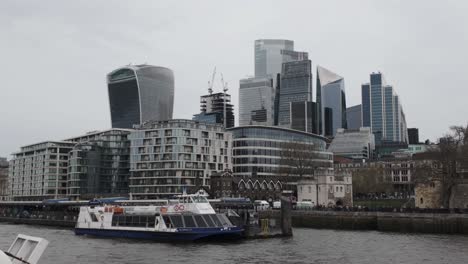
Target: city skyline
{"x": 81, "y": 53}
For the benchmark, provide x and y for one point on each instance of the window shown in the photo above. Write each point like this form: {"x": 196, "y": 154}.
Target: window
{"x": 310, "y": 189}
{"x": 189, "y": 222}
{"x": 199, "y": 220}
{"x": 94, "y": 217}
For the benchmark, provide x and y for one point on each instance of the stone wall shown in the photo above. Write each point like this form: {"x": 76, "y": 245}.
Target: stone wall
{"x": 459, "y": 197}
{"x": 428, "y": 195}
{"x": 392, "y": 222}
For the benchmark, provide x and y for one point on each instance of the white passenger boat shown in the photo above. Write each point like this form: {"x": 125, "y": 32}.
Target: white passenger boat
{"x": 25, "y": 249}
{"x": 188, "y": 218}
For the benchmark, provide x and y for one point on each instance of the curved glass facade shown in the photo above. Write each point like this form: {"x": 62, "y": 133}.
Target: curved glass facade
{"x": 140, "y": 93}
{"x": 257, "y": 149}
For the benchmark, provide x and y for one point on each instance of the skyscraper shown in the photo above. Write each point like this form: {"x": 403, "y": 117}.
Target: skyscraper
{"x": 331, "y": 94}
{"x": 256, "y": 96}
{"x": 303, "y": 116}
{"x": 354, "y": 117}
{"x": 270, "y": 54}
{"x": 139, "y": 93}
{"x": 413, "y": 135}
{"x": 382, "y": 111}
{"x": 296, "y": 86}
{"x": 365, "y": 110}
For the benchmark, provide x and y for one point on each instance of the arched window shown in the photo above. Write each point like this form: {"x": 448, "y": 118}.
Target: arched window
{"x": 421, "y": 201}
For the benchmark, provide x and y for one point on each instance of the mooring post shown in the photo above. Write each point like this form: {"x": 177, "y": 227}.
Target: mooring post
{"x": 286, "y": 208}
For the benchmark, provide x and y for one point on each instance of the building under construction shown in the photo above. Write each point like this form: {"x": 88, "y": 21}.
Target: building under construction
{"x": 212, "y": 107}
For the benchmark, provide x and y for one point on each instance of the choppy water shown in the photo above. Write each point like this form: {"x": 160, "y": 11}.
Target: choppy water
{"x": 307, "y": 246}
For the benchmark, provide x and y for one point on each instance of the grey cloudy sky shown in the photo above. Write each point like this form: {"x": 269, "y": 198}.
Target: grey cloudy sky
{"x": 55, "y": 55}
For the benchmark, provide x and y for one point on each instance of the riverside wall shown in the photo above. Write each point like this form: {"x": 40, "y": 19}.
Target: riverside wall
{"x": 383, "y": 221}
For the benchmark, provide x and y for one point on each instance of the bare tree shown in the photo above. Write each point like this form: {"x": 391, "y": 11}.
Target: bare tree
{"x": 444, "y": 162}
{"x": 300, "y": 160}
{"x": 371, "y": 180}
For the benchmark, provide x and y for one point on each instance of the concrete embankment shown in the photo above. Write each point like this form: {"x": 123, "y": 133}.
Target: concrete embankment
{"x": 391, "y": 222}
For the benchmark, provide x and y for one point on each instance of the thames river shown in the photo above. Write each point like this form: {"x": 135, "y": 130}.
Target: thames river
{"x": 307, "y": 246}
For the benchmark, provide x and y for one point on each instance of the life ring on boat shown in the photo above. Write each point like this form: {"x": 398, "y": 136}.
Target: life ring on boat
{"x": 181, "y": 207}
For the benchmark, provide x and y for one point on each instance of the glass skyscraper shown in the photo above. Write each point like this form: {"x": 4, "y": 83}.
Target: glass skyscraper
{"x": 270, "y": 54}
{"x": 331, "y": 94}
{"x": 256, "y": 98}
{"x": 354, "y": 117}
{"x": 139, "y": 93}
{"x": 382, "y": 111}
{"x": 296, "y": 86}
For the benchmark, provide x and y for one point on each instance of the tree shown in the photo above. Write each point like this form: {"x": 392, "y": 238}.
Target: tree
{"x": 371, "y": 180}
{"x": 445, "y": 162}
{"x": 301, "y": 160}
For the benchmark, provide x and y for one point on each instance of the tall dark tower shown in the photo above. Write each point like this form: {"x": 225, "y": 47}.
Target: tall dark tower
{"x": 139, "y": 93}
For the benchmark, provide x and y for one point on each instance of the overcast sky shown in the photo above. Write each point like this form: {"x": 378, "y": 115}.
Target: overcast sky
{"x": 55, "y": 55}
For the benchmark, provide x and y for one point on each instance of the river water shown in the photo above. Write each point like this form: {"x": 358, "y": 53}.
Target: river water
{"x": 307, "y": 246}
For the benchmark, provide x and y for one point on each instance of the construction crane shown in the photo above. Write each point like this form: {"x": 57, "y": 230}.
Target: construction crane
{"x": 225, "y": 89}
{"x": 210, "y": 84}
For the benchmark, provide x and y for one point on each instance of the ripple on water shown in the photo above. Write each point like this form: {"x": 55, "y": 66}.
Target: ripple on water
{"x": 307, "y": 246}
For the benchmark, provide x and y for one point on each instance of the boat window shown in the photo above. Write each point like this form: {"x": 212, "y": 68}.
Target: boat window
{"x": 167, "y": 221}
{"x": 200, "y": 221}
{"x": 216, "y": 220}
{"x": 176, "y": 220}
{"x": 94, "y": 217}
{"x": 224, "y": 220}
{"x": 115, "y": 220}
{"x": 209, "y": 221}
{"x": 199, "y": 199}
{"x": 189, "y": 222}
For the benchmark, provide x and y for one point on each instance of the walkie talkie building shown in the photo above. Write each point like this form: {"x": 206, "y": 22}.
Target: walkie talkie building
{"x": 139, "y": 93}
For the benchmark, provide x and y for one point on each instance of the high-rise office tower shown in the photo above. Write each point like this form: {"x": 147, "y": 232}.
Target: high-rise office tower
{"x": 413, "y": 135}
{"x": 296, "y": 86}
{"x": 303, "y": 116}
{"x": 212, "y": 108}
{"x": 354, "y": 117}
{"x": 331, "y": 94}
{"x": 139, "y": 93}
{"x": 256, "y": 98}
{"x": 270, "y": 54}
{"x": 365, "y": 110}
{"x": 382, "y": 111}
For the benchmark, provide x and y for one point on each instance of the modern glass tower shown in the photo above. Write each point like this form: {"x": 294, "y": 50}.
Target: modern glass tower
{"x": 331, "y": 94}
{"x": 139, "y": 93}
{"x": 354, "y": 117}
{"x": 296, "y": 86}
{"x": 382, "y": 111}
{"x": 256, "y": 98}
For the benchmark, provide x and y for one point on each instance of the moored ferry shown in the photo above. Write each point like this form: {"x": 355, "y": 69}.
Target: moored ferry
{"x": 188, "y": 218}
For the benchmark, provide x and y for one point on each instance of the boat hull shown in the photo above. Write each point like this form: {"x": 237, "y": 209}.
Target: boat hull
{"x": 183, "y": 235}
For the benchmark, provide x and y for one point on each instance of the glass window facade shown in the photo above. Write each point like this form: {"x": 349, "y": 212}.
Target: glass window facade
{"x": 382, "y": 107}
{"x": 331, "y": 91}
{"x": 296, "y": 86}
{"x": 140, "y": 93}
{"x": 257, "y": 149}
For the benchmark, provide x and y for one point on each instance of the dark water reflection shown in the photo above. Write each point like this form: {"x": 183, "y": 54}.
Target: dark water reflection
{"x": 307, "y": 246}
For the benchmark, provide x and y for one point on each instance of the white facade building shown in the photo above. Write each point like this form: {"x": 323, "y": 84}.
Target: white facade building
{"x": 327, "y": 188}
{"x": 39, "y": 171}
{"x": 168, "y": 157}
